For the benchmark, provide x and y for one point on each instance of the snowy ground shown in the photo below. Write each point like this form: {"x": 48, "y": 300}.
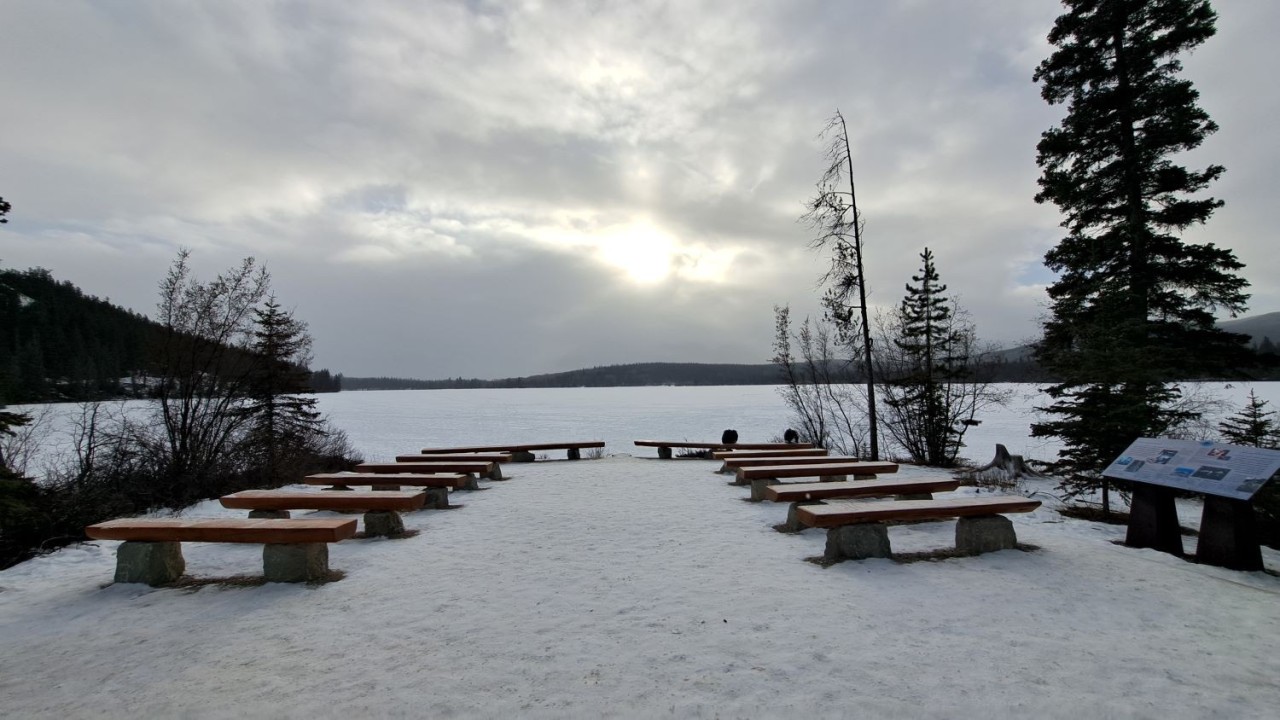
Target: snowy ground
{"x": 634, "y": 587}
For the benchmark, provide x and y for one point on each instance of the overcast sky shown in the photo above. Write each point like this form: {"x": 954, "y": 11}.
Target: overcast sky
{"x": 490, "y": 189}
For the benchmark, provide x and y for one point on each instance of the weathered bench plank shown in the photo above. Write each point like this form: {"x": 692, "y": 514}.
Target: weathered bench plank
{"x": 455, "y": 457}
{"x": 224, "y": 530}
{"x": 841, "y": 469}
{"x": 734, "y": 463}
{"x": 488, "y": 469}
{"x": 523, "y": 452}
{"x": 526, "y": 447}
{"x": 455, "y": 481}
{"x": 788, "y": 451}
{"x": 797, "y": 492}
{"x": 354, "y": 500}
{"x": 827, "y": 516}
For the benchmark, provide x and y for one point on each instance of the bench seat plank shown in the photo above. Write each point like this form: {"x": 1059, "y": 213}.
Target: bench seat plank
{"x": 224, "y": 530}
{"x": 787, "y": 460}
{"x": 516, "y": 447}
{"x": 817, "y": 470}
{"x": 721, "y": 446}
{"x": 356, "y": 500}
{"x": 437, "y": 480}
{"x": 799, "y": 492}
{"x": 479, "y": 468}
{"x": 455, "y": 457}
{"x": 846, "y": 513}
{"x": 788, "y": 451}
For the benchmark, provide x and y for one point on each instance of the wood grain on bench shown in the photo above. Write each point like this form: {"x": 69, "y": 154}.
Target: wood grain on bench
{"x": 522, "y": 447}
{"x": 455, "y": 457}
{"x": 845, "y": 513}
{"x": 799, "y": 492}
{"x": 437, "y": 480}
{"x": 787, "y": 460}
{"x": 224, "y": 530}
{"x": 788, "y": 451}
{"x": 720, "y": 446}
{"x": 816, "y": 470}
{"x": 355, "y": 500}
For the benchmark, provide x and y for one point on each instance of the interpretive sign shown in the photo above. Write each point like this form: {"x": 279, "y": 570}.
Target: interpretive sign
{"x": 1230, "y": 471}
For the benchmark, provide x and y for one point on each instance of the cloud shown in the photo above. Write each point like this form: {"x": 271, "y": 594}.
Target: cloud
{"x": 483, "y": 188}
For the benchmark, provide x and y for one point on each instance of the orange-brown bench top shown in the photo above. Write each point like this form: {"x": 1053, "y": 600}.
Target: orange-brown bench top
{"x": 447, "y": 466}
{"x": 354, "y": 500}
{"x": 516, "y": 447}
{"x": 455, "y": 457}
{"x": 224, "y": 530}
{"x": 721, "y": 446}
{"x": 788, "y": 451}
{"x": 795, "y": 492}
{"x": 738, "y": 462}
{"x": 818, "y": 470}
{"x": 846, "y": 513}
{"x": 450, "y": 480}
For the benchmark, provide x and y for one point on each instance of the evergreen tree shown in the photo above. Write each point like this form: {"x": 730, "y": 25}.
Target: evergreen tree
{"x": 1131, "y": 311}
{"x": 281, "y": 418}
{"x": 1254, "y": 425}
{"x": 4, "y": 210}
{"x": 926, "y": 360}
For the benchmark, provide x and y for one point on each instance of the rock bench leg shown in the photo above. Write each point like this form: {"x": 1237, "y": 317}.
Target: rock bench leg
{"x": 384, "y": 523}
{"x": 268, "y": 514}
{"x": 574, "y": 454}
{"x": 793, "y": 524}
{"x": 153, "y": 563}
{"x": 986, "y": 533}
{"x": 757, "y": 488}
{"x": 521, "y": 456}
{"x": 858, "y": 542}
{"x": 496, "y": 472}
{"x": 664, "y": 453}
{"x": 437, "y": 498}
{"x": 295, "y": 562}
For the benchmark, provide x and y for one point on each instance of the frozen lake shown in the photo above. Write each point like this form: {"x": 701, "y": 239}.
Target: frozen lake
{"x": 382, "y": 424}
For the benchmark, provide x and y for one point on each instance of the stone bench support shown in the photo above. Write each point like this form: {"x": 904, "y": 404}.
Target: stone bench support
{"x": 857, "y": 542}
{"x": 153, "y": 563}
{"x": 298, "y": 562}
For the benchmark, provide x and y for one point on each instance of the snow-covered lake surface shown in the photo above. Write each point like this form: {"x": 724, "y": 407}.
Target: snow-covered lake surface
{"x": 634, "y": 587}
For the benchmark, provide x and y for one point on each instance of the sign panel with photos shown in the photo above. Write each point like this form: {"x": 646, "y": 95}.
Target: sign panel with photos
{"x": 1231, "y": 471}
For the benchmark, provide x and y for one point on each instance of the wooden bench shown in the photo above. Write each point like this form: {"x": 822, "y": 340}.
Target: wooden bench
{"x": 437, "y": 485}
{"x": 857, "y": 530}
{"x": 293, "y": 550}
{"x": 490, "y": 470}
{"x": 522, "y": 452}
{"x": 799, "y": 494}
{"x": 381, "y": 509}
{"x": 456, "y": 457}
{"x": 789, "y": 451}
{"x": 732, "y": 464}
{"x": 766, "y": 475}
{"x": 665, "y": 446}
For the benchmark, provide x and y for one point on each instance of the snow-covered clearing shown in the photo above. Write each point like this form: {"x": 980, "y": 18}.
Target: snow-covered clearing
{"x": 634, "y": 587}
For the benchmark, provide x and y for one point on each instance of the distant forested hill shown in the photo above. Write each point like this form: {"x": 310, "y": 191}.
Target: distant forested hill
{"x": 58, "y": 343}
{"x": 636, "y": 374}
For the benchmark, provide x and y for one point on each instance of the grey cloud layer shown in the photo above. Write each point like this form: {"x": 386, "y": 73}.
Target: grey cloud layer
{"x": 428, "y": 181}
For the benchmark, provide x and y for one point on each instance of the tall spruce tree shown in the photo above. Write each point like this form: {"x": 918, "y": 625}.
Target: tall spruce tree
{"x": 282, "y": 419}
{"x": 1132, "y": 309}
